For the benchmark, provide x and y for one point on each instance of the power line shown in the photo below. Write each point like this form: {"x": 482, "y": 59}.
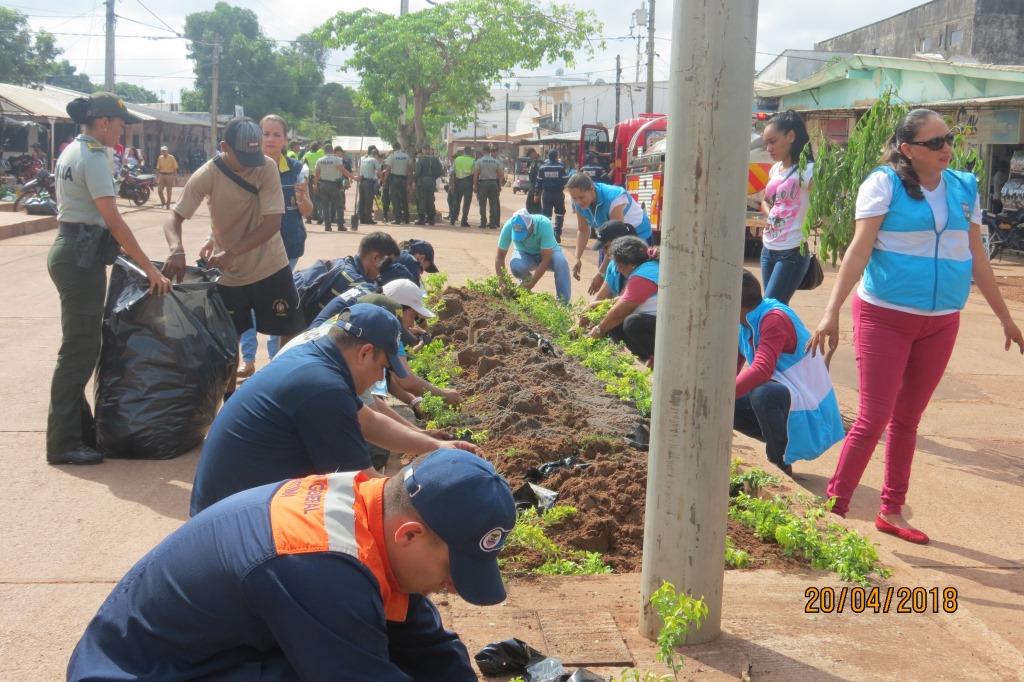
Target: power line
{"x": 175, "y": 32}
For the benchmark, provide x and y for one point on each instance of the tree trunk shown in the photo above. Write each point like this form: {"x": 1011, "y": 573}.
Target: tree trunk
{"x": 420, "y": 99}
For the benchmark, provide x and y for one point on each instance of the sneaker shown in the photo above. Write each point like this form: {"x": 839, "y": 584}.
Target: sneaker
{"x": 420, "y": 222}
{"x": 83, "y": 454}
{"x": 327, "y": 228}
{"x": 464, "y": 223}
{"x": 342, "y": 228}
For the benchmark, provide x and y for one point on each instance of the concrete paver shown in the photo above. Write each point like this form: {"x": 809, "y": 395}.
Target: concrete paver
{"x": 70, "y": 533}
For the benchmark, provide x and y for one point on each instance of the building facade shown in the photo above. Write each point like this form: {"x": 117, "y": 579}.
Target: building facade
{"x": 983, "y": 31}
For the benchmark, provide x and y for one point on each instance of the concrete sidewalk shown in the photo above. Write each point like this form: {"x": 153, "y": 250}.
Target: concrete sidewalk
{"x": 70, "y": 533}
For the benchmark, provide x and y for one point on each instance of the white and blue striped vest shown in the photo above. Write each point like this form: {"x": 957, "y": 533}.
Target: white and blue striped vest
{"x": 814, "y": 423}
{"x": 914, "y": 264}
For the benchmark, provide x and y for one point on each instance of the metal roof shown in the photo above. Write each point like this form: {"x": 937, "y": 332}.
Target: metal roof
{"x": 838, "y": 70}
{"x": 48, "y": 101}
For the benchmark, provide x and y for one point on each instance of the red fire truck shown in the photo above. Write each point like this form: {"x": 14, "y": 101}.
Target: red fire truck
{"x": 636, "y": 157}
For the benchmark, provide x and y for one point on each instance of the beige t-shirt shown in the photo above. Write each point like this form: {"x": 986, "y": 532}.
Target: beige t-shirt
{"x": 234, "y": 213}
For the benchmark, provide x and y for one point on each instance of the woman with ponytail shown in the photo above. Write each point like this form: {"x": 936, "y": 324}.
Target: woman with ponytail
{"x": 91, "y": 232}
{"x": 785, "y": 203}
{"x": 917, "y": 244}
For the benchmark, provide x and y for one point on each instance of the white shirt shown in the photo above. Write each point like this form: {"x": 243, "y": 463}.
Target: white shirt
{"x": 874, "y": 199}
{"x": 789, "y": 194}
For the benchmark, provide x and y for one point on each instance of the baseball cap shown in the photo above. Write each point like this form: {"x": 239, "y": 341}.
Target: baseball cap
{"x": 164, "y": 148}
{"x": 377, "y": 326}
{"x": 520, "y": 221}
{"x": 418, "y": 246}
{"x": 612, "y": 230}
{"x": 408, "y": 294}
{"x": 552, "y": 154}
{"x": 463, "y": 499}
{"x": 245, "y": 137}
{"x": 103, "y": 104}
{"x": 401, "y": 269}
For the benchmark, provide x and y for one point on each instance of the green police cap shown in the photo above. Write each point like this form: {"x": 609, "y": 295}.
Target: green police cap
{"x": 103, "y": 104}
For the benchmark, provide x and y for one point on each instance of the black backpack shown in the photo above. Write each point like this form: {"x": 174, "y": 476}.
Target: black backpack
{"x": 321, "y": 282}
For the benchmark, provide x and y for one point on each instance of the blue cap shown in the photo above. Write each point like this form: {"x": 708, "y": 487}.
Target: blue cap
{"x": 463, "y": 499}
{"x": 377, "y": 326}
{"x": 520, "y": 221}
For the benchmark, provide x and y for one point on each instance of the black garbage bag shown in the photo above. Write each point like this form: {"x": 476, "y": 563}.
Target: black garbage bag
{"x": 164, "y": 365}
{"x": 508, "y": 657}
{"x": 530, "y": 496}
{"x": 539, "y": 473}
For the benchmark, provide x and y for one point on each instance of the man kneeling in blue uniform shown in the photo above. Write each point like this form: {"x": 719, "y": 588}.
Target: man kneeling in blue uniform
{"x": 319, "y": 578}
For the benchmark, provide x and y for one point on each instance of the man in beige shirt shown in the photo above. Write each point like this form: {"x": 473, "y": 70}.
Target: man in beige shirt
{"x": 166, "y": 172}
{"x": 246, "y": 203}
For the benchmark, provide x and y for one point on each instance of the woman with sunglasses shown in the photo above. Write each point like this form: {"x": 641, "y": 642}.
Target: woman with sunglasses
{"x": 917, "y": 244}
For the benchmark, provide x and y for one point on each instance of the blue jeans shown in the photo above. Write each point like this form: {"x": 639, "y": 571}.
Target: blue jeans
{"x": 248, "y": 338}
{"x": 522, "y": 266}
{"x": 782, "y": 272}
{"x": 764, "y": 414}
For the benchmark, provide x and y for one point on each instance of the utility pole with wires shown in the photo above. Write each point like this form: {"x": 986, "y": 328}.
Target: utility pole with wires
{"x": 108, "y": 66}
{"x": 214, "y": 97}
{"x": 639, "y": 21}
{"x": 618, "y": 84}
{"x": 649, "y": 106}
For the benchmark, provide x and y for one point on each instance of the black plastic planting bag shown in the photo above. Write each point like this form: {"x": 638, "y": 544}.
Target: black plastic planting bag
{"x": 164, "y": 365}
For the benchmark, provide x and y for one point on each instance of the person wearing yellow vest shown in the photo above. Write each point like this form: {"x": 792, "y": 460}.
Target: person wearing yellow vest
{"x": 462, "y": 169}
{"x": 317, "y": 578}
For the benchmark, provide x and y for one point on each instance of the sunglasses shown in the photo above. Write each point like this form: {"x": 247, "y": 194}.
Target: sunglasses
{"x": 935, "y": 143}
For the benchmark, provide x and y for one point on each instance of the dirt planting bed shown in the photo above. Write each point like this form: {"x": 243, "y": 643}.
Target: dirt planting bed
{"x": 537, "y": 408}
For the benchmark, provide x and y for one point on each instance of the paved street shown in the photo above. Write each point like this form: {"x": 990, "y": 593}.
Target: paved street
{"x": 69, "y": 533}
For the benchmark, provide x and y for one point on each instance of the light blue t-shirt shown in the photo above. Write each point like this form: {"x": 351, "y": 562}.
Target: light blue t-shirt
{"x": 542, "y": 236}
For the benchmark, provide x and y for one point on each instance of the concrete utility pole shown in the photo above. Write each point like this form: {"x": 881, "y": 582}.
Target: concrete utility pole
{"x": 711, "y": 89}
{"x": 108, "y": 67}
{"x": 506, "y": 117}
{"x": 649, "y": 105}
{"x": 618, "y": 83}
{"x": 214, "y": 97}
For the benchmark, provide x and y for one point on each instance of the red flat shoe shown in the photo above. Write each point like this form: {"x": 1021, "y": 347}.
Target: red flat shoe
{"x": 908, "y": 534}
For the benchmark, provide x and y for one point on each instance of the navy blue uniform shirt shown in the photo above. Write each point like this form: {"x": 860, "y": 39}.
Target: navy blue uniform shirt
{"x": 551, "y": 177}
{"x": 295, "y": 417}
{"x": 216, "y": 601}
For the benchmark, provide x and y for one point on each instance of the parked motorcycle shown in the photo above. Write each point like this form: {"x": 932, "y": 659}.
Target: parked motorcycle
{"x": 1005, "y": 232}
{"x": 24, "y": 167}
{"x": 38, "y": 186}
{"x": 135, "y": 186}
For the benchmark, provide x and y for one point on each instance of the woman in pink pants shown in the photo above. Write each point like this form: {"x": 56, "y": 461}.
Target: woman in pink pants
{"x": 917, "y": 244}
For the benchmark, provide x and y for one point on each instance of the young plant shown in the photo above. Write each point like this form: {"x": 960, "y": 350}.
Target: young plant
{"x": 753, "y": 480}
{"x": 528, "y": 533}
{"x": 737, "y": 558}
{"x": 438, "y": 413}
{"x": 679, "y": 613}
{"x": 838, "y": 172}
{"x": 436, "y": 363}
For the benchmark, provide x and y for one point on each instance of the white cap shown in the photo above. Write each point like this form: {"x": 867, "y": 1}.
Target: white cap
{"x": 408, "y": 294}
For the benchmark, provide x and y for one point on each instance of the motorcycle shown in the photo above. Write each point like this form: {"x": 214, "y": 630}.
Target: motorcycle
{"x": 135, "y": 186}
{"x": 1005, "y": 232}
{"x": 24, "y": 167}
{"x": 42, "y": 184}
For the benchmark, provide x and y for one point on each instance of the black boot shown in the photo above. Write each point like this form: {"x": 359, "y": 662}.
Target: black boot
{"x": 83, "y": 454}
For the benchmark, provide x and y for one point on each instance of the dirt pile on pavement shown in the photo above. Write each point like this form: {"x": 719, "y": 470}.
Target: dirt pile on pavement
{"x": 538, "y": 408}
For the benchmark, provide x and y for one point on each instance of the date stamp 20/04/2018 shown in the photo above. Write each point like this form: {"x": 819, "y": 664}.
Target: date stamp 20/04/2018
{"x": 881, "y": 599}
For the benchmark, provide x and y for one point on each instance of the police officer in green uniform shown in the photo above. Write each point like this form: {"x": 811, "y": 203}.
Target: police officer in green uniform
{"x": 428, "y": 170}
{"x": 330, "y": 175}
{"x": 396, "y": 169}
{"x": 462, "y": 169}
{"x": 90, "y": 235}
{"x": 488, "y": 177}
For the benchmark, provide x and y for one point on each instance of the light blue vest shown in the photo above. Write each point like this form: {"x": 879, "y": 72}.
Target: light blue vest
{"x": 616, "y": 283}
{"x": 597, "y": 213}
{"x": 814, "y": 423}
{"x": 913, "y": 263}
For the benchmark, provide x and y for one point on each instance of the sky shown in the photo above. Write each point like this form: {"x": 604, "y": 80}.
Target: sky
{"x": 161, "y": 65}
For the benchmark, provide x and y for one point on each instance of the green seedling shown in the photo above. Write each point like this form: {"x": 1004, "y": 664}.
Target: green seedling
{"x": 528, "y": 533}
{"x": 436, "y": 363}
{"x": 737, "y": 558}
{"x": 825, "y": 545}
{"x": 679, "y": 613}
{"x": 753, "y": 480}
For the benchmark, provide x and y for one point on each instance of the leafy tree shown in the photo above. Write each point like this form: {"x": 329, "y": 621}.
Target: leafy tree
{"x": 249, "y": 73}
{"x": 336, "y": 104}
{"x": 135, "y": 93}
{"x": 63, "y": 74}
{"x": 24, "y": 60}
{"x": 440, "y": 62}
{"x": 314, "y": 129}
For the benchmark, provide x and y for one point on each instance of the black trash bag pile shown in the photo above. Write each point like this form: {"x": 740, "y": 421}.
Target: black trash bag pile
{"x": 164, "y": 365}
{"x": 539, "y": 473}
{"x": 516, "y": 657}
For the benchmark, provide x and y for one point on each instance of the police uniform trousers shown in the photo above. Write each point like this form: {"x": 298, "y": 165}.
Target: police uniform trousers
{"x": 70, "y": 422}
{"x": 425, "y": 190}
{"x": 554, "y": 203}
{"x": 331, "y": 202}
{"x": 367, "y": 190}
{"x": 315, "y": 198}
{"x": 464, "y": 196}
{"x": 399, "y": 197}
{"x": 487, "y": 196}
